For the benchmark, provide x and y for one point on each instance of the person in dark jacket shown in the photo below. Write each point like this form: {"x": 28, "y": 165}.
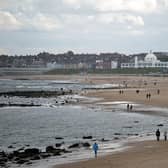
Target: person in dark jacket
{"x": 165, "y": 135}
{"x": 95, "y": 149}
{"x": 158, "y": 134}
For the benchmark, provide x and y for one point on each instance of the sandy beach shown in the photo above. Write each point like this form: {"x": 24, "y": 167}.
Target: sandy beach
{"x": 145, "y": 85}
{"x": 147, "y": 154}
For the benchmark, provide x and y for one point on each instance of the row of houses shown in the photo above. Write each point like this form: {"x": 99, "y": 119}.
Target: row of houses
{"x": 150, "y": 60}
{"x": 70, "y": 60}
{"x": 100, "y": 64}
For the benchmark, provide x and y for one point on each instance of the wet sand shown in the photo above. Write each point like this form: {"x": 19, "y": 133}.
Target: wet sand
{"x": 145, "y": 85}
{"x": 147, "y": 154}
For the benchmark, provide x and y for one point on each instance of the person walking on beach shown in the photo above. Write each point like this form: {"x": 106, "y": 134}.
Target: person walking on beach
{"x": 131, "y": 107}
{"x": 128, "y": 106}
{"x": 149, "y": 95}
{"x": 158, "y": 134}
{"x": 165, "y": 135}
{"x": 95, "y": 149}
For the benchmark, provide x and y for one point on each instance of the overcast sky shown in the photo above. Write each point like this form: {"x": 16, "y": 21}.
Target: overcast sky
{"x": 125, "y": 26}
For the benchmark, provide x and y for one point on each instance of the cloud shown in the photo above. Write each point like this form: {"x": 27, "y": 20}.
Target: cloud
{"x": 45, "y": 23}
{"x": 110, "y": 18}
{"x": 64, "y": 21}
{"x": 75, "y": 3}
{"x": 22, "y": 21}
{"x": 142, "y": 6}
{"x": 9, "y": 21}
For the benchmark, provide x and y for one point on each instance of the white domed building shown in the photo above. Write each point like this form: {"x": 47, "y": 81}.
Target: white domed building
{"x": 150, "y": 61}
{"x": 150, "y": 57}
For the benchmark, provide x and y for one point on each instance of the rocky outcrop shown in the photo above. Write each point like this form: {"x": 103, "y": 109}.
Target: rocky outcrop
{"x": 25, "y": 156}
{"x": 36, "y": 93}
{"x": 17, "y": 105}
{"x": 87, "y": 137}
{"x": 79, "y": 145}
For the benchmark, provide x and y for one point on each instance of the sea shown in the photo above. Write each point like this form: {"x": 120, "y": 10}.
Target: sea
{"x": 43, "y": 126}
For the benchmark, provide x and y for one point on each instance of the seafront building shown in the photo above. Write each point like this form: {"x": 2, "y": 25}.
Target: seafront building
{"x": 150, "y": 61}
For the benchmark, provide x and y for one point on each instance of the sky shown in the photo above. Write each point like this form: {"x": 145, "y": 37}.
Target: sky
{"x": 83, "y": 26}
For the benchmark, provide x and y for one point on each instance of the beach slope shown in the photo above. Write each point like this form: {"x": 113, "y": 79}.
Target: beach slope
{"x": 147, "y": 154}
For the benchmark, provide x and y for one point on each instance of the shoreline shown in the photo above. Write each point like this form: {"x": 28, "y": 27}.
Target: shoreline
{"x": 143, "y": 154}
{"x": 144, "y": 84}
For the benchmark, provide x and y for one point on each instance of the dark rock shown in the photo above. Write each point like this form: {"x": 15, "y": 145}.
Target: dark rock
{"x": 130, "y": 134}
{"x": 37, "y": 157}
{"x": 50, "y": 149}
{"x": 3, "y": 154}
{"x": 104, "y": 140}
{"x": 16, "y": 159}
{"x": 54, "y": 151}
{"x": 2, "y": 164}
{"x": 86, "y": 144}
{"x": 22, "y": 161}
{"x": 11, "y": 156}
{"x": 116, "y": 138}
{"x": 117, "y": 134}
{"x": 149, "y": 134}
{"x": 160, "y": 125}
{"x": 3, "y": 160}
{"x": 45, "y": 155}
{"x": 87, "y": 137}
{"x": 136, "y": 121}
{"x": 31, "y": 151}
{"x": 15, "y": 153}
{"x": 76, "y": 145}
{"x": 58, "y": 145}
{"x": 128, "y": 127}
{"x": 59, "y": 138}
{"x": 10, "y": 146}
{"x": 27, "y": 153}
{"x": 28, "y": 163}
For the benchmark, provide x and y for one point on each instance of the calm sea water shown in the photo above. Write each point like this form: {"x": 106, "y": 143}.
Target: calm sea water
{"x": 39, "y": 126}
{"x": 13, "y": 85}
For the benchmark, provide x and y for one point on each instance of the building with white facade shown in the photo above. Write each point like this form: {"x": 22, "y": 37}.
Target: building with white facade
{"x": 150, "y": 61}
{"x": 114, "y": 64}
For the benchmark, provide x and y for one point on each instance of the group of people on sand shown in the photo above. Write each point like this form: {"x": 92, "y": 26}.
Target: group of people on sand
{"x": 129, "y": 107}
{"x": 148, "y": 96}
{"x": 121, "y": 91}
{"x": 158, "y": 135}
